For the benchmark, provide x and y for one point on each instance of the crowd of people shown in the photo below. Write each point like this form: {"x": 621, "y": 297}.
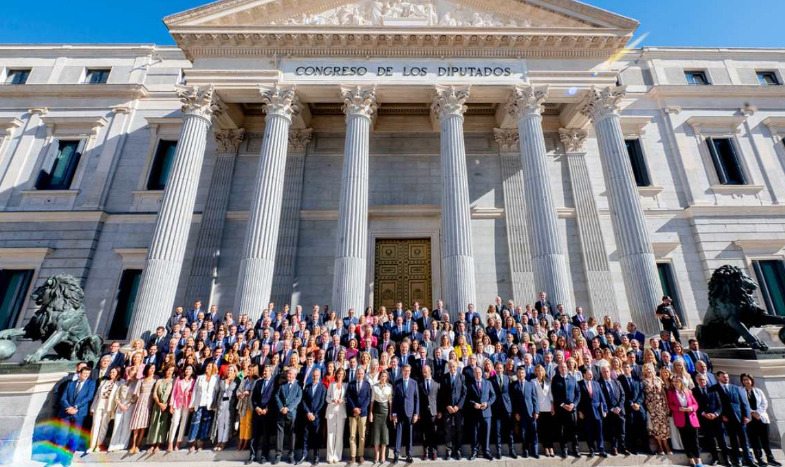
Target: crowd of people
{"x": 530, "y": 378}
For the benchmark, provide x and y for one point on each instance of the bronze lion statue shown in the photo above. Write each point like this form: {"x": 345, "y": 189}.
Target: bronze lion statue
{"x": 60, "y": 322}
{"x": 733, "y": 311}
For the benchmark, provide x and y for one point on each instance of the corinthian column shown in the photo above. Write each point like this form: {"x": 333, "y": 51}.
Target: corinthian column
{"x": 550, "y": 267}
{"x": 165, "y": 258}
{"x": 359, "y": 105}
{"x": 255, "y": 280}
{"x": 458, "y": 283}
{"x": 629, "y": 223}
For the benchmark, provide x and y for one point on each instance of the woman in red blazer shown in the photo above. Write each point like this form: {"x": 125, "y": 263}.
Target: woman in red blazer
{"x": 685, "y": 417}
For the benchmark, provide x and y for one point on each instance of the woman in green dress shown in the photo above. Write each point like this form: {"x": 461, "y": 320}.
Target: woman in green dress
{"x": 161, "y": 416}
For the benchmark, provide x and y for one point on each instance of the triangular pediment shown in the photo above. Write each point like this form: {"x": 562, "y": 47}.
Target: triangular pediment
{"x": 541, "y": 14}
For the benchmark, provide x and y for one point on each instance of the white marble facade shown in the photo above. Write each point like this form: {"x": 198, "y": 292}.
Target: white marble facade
{"x": 555, "y": 86}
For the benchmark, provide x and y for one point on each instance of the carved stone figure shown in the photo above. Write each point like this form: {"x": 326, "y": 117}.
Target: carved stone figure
{"x": 733, "y": 311}
{"x": 60, "y": 322}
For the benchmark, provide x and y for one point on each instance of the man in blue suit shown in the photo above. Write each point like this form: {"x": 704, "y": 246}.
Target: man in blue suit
{"x": 566, "y": 397}
{"x": 614, "y": 421}
{"x": 527, "y": 411}
{"x": 314, "y": 393}
{"x": 502, "y": 411}
{"x": 263, "y": 416}
{"x": 479, "y": 400}
{"x": 592, "y": 409}
{"x": 287, "y": 399}
{"x": 405, "y": 412}
{"x": 452, "y": 394}
{"x": 358, "y": 399}
{"x": 735, "y": 416}
{"x": 710, "y": 419}
{"x": 634, "y": 411}
{"x": 74, "y": 406}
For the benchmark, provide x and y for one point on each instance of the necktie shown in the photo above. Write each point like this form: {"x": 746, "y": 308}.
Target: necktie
{"x": 313, "y": 390}
{"x": 479, "y": 387}
{"x": 428, "y": 386}
{"x": 588, "y": 388}
{"x": 78, "y": 387}
{"x": 405, "y": 385}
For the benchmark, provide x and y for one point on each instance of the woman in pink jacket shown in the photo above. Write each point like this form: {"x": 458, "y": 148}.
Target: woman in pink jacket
{"x": 685, "y": 417}
{"x": 180, "y": 403}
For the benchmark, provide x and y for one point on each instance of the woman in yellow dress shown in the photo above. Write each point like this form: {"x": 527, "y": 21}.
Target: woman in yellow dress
{"x": 244, "y": 406}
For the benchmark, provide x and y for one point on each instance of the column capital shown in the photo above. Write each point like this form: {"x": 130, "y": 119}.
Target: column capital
{"x": 198, "y": 101}
{"x": 573, "y": 140}
{"x": 359, "y": 100}
{"x": 228, "y": 141}
{"x": 507, "y": 139}
{"x": 601, "y": 102}
{"x": 281, "y": 101}
{"x": 450, "y": 101}
{"x": 299, "y": 139}
{"x": 38, "y": 111}
{"x": 526, "y": 100}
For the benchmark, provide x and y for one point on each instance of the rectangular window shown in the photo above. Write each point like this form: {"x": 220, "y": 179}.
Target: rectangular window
{"x": 768, "y": 78}
{"x": 668, "y": 283}
{"x": 96, "y": 75}
{"x": 162, "y": 165}
{"x": 726, "y": 161}
{"x": 639, "y": 168}
{"x": 61, "y": 171}
{"x": 14, "y": 285}
{"x": 771, "y": 278}
{"x": 17, "y": 76}
{"x": 126, "y": 299}
{"x": 696, "y": 78}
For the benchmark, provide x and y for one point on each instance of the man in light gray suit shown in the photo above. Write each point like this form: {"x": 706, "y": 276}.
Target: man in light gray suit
{"x": 429, "y": 411}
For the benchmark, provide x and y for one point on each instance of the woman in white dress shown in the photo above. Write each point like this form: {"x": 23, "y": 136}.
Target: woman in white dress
{"x": 125, "y": 404}
{"x": 103, "y": 408}
{"x": 336, "y": 417}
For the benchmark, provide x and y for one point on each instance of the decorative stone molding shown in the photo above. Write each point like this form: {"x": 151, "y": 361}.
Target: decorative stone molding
{"x": 673, "y": 110}
{"x": 748, "y": 109}
{"x": 228, "y": 141}
{"x": 602, "y": 102}
{"x": 527, "y": 100}
{"x": 299, "y": 139}
{"x": 280, "y": 101}
{"x": 507, "y": 139}
{"x": 121, "y": 109}
{"x": 573, "y": 139}
{"x": 8, "y": 125}
{"x": 359, "y": 101}
{"x": 75, "y": 124}
{"x": 197, "y": 101}
{"x": 450, "y": 101}
{"x": 770, "y": 246}
{"x": 727, "y": 124}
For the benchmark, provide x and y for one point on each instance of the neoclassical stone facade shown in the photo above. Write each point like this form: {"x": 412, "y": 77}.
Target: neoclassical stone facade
{"x": 296, "y": 152}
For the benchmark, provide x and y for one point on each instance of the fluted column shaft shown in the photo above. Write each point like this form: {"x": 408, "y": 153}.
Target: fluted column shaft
{"x": 352, "y": 233}
{"x": 458, "y": 284}
{"x": 636, "y": 256}
{"x": 255, "y": 279}
{"x": 164, "y": 262}
{"x": 548, "y": 259}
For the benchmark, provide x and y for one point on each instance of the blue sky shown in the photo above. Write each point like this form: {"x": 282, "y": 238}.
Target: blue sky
{"x": 705, "y": 23}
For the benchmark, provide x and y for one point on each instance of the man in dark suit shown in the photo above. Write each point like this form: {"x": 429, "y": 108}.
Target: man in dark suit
{"x": 527, "y": 411}
{"x": 192, "y": 314}
{"x": 314, "y": 393}
{"x": 615, "y": 420}
{"x": 358, "y": 399}
{"x": 634, "y": 411}
{"x": 452, "y": 394}
{"x": 118, "y": 359}
{"x": 634, "y": 334}
{"x": 578, "y": 317}
{"x": 566, "y": 397}
{"x": 592, "y": 409}
{"x": 74, "y": 407}
{"x": 709, "y": 417}
{"x": 263, "y": 416}
{"x": 405, "y": 412}
{"x": 542, "y": 303}
{"x": 101, "y": 372}
{"x": 697, "y": 356}
{"x": 429, "y": 411}
{"x": 735, "y": 416}
{"x": 702, "y": 369}
{"x": 502, "y": 412}
{"x": 287, "y": 399}
{"x": 479, "y": 400}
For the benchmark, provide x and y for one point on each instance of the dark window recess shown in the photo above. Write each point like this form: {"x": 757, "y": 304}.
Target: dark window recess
{"x": 726, "y": 161}
{"x": 162, "y": 165}
{"x": 668, "y": 283}
{"x": 14, "y": 285}
{"x": 96, "y": 76}
{"x": 17, "y": 76}
{"x": 61, "y": 173}
{"x": 126, "y": 299}
{"x": 638, "y": 162}
{"x": 771, "y": 279}
{"x": 768, "y": 78}
{"x": 696, "y": 78}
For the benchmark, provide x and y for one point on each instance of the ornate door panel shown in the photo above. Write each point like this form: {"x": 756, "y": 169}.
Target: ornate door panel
{"x": 402, "y": 272}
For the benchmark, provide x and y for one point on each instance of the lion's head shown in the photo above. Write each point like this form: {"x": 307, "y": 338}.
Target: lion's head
{"x": 729, "y": 284}
{"x": 59, "y": 293}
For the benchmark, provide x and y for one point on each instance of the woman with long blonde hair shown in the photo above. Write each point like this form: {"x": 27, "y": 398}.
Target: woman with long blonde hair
{"x": 657, "y": 407}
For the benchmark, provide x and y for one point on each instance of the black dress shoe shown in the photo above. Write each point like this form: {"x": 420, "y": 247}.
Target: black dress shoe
{"x": 473, "y": 456}
{"x": 603, "y": 454}
{"x": 315, "y": 460}
{"x": 395, "y": 459}
{"x": 536, "y": 456}
{"x": 591, "y": 453}
{"x": 576, "y": 454}
{"x": 409, "y": 459}
{"x": 488, "y": 456}
{"x": 300, "y": 460}
{"x": 772, "y": 461}
{"x": 447, "y": 455}
{"x": 499, "y": 454}
{"x": 290, "y": 460}
{"x": 249, "y": 462}
{"x": 513, "y": 454}
{"x": 564, "y": 454}
{"x": 276, "y": 460}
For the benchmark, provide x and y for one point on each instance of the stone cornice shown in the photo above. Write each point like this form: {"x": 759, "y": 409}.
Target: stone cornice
{"x": 198, "y": 101}
{"x": 712, "y": 91}
{"x": 527, "y": 100}
{"x": 130, "y": 91}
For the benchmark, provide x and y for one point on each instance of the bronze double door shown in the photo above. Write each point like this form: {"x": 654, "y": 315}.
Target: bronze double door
{"x": 402, "y": 272}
